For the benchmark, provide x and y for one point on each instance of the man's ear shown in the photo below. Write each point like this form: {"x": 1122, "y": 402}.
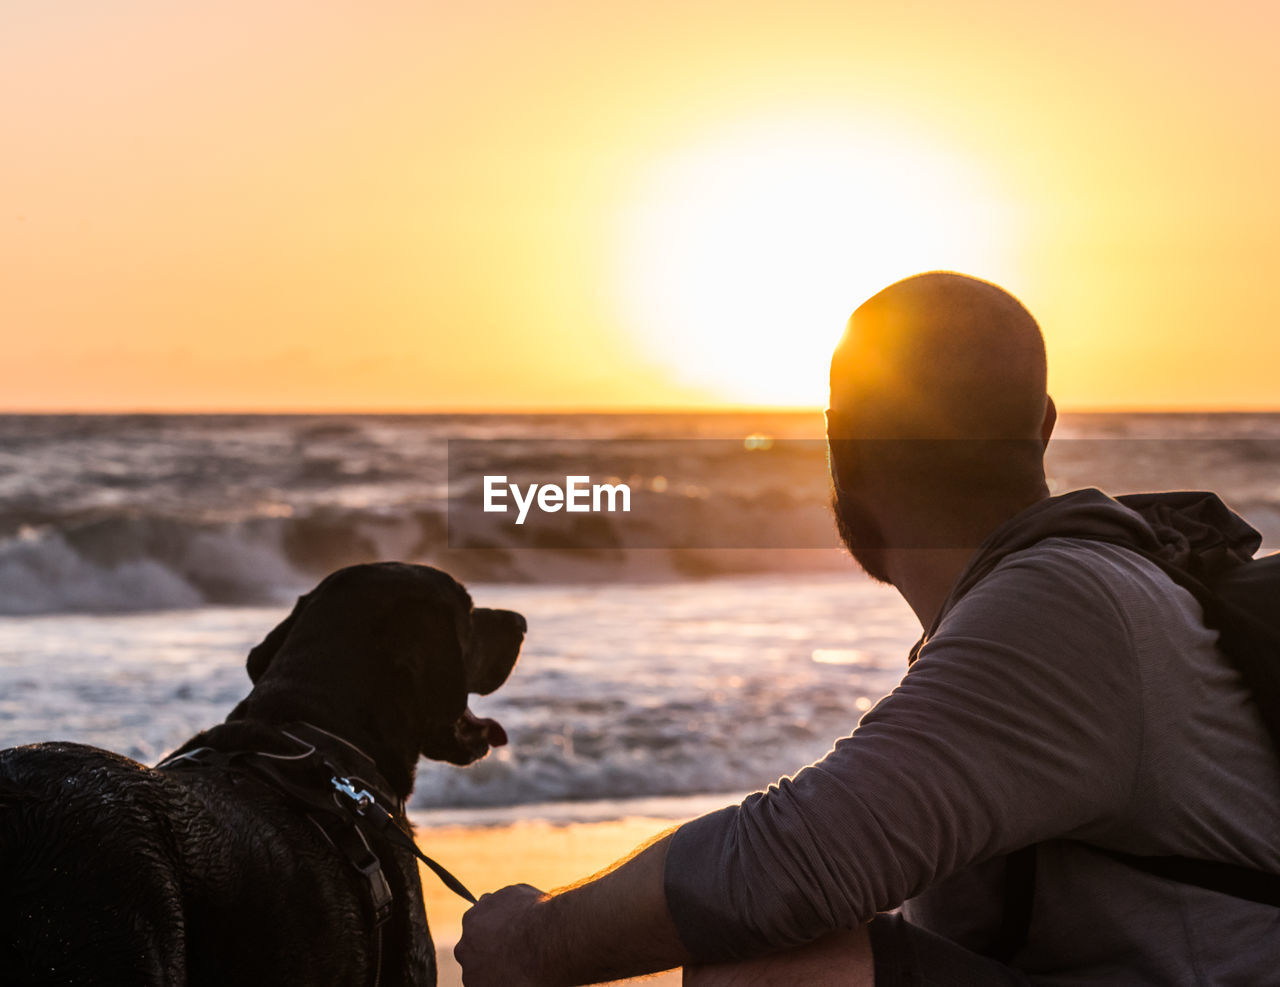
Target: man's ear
{"x": 260, "y": 656}
{"x": 1050, "y": 419}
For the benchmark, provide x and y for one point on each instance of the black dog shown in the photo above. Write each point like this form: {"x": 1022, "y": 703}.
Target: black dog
{"x": 238, "y": 859}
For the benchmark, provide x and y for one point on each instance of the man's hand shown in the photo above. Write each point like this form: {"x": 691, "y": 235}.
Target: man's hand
{"x": 497, "y": 944}
{"x": 616, "y": 925}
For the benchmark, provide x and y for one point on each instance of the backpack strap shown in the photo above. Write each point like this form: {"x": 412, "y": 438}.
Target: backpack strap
{"x": 1019, "y": 893}
{"x": 1229, "y": 879}
{"x": 1213, "y": 875}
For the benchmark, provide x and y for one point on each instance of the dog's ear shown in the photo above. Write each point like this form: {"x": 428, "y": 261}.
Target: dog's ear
{"x": 445, "y": 694}
{"x": 260, "y": 656}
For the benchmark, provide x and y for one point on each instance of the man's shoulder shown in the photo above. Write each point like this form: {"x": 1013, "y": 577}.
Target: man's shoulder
{"x": 1071, "y": 591}
{"x": 1090, "y": 569}
{"x": 1041, "y": 610}
{"x": 1059, "y": 573}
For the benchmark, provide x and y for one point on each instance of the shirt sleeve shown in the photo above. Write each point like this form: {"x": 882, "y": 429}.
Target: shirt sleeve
{"x": 1020, "y": 720}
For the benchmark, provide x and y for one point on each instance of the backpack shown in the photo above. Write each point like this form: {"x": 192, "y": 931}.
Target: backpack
{"x": 1240, "y": 596}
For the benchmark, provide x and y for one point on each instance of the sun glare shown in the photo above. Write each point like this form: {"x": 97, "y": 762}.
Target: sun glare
{"x": 741, "y": 257}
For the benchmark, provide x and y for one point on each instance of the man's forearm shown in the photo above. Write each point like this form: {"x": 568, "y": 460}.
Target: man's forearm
{"x": 615, "y": 925}
{"x": 612, "y": 926}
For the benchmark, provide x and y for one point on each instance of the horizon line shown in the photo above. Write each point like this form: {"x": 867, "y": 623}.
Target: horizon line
{"x": 717, "y": 409}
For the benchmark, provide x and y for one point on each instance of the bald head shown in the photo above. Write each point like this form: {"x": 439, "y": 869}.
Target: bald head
{"x": 940, "y": 356}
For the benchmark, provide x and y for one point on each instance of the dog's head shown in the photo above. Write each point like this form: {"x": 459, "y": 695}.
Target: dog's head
{"x": 393, "y": 650}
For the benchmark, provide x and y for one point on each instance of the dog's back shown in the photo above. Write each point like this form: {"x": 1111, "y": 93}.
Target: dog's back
{"x": 114, "y": 872}
{"x": 88, "y": 892}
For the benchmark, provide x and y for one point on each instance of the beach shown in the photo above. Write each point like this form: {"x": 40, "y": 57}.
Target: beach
{"x": 141, "y": 559}
{"x": 548, "y": 855}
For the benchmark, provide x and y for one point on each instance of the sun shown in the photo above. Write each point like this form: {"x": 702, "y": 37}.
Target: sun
{"x": 741, "y": 256}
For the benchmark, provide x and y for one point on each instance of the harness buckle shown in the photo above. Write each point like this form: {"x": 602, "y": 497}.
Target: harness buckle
{"x": 362, "y": 798}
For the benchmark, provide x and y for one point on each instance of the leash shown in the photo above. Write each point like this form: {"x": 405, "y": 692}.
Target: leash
{"x": 364, "y": 805}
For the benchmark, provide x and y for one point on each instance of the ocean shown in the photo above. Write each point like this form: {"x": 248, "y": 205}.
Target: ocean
{"x": 691, "y": 650}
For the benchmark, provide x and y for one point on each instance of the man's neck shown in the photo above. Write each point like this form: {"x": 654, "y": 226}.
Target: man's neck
{"x": 926, "y": 576}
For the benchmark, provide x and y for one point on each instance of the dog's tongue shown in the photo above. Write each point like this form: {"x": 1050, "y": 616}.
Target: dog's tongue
{"x": 491, "y": 729}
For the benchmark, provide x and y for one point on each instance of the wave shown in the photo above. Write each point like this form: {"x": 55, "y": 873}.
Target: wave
{"x": 103, "y": 514}
{"x": 753, "y": 727}
{"x": 139, "y": 563}
{"x": 124, "y": 564}
{"x": 623, "y": 690}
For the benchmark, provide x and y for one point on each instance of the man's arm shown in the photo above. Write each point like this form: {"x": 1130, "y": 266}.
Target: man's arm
{"x": 611, "y": 926}
{"x": 1020, "y": 721}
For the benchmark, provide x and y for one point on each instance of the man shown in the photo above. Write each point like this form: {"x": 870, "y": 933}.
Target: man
{"x": 1067, "y": 699}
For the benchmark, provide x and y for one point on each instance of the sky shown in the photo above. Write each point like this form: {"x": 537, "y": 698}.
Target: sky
{"x": 277, "y": 205}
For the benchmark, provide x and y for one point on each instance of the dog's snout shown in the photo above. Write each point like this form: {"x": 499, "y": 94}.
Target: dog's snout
{"x": 507, "y": 621}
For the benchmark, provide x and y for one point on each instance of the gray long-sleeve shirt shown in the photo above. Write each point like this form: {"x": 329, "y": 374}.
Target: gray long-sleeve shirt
{"x": 1072, "y": 697}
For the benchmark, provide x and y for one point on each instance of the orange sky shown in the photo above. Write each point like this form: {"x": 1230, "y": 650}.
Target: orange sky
{"x": 417, "y": 206}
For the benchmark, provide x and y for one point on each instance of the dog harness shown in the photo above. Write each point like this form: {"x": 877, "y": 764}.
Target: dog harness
{"x": 347, "y": 808}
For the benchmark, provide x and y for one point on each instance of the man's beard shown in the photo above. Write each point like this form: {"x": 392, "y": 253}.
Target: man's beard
{"x": 861, "y": 535}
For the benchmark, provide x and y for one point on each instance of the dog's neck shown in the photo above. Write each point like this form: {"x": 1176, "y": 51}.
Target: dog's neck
{"x": 366, "y": 740}
{"x": 348, "y": 745}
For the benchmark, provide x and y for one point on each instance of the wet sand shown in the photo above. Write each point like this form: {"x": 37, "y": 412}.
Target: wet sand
{"x": 544, "y": 854}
